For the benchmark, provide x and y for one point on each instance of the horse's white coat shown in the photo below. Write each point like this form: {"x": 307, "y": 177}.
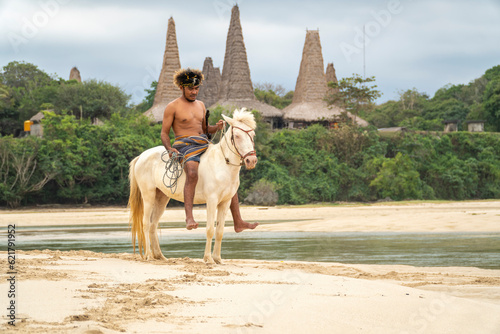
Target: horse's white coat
{"x": 217, "y": 184}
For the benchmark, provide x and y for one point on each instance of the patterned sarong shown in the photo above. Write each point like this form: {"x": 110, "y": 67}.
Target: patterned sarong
{"x": 191, "y": 147}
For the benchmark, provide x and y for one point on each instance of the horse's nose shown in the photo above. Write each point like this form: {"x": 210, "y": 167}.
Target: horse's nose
{"x": 250, "y": 162}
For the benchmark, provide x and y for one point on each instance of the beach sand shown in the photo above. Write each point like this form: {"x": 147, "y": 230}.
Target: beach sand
{"x": 87, "y": 292}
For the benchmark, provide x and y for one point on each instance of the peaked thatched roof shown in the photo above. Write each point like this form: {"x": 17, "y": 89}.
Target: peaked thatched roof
{"x": 166, "y": 91}
{"x": 236, "y": 82}
{"x": 37, "y": 117}
{"x": 308, "y": 103}
{"x": 331, "y": 76}
{"x": 74, "y": 74}
{"x": 209, "y": 90}
{"x": 236, "y": 89}
{"x": 311, "y": 82}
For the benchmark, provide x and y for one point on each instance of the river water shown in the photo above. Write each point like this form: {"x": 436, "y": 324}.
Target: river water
{"x": 416, "y": 249}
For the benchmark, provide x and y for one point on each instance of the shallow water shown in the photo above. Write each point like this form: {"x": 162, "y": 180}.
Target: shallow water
{"x": 416, "y": 249}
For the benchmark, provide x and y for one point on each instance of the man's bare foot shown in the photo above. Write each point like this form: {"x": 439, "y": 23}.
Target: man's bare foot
{"x": 191, "y": 224}
{"x": 242, "y": 225}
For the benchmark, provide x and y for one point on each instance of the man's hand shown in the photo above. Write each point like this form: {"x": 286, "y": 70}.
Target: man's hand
{"x": 172, "y": 151}
{"x": 220, "y": 124}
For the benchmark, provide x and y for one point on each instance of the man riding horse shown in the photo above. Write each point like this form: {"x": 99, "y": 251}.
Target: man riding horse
{"x": 186, "y": 117}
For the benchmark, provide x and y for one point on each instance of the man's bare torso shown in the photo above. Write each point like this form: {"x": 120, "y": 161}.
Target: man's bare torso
{"x": 188, "y": 118}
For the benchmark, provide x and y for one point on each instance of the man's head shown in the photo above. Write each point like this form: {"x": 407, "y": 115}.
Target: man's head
{"x": 189, "y": 81}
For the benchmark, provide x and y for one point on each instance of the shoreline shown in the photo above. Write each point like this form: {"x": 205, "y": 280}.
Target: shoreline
{"x": 469, "y": 216}
{"x": 86, "y": 292}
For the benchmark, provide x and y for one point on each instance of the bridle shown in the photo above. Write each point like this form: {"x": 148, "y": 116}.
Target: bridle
{"x": 242, "y": 157}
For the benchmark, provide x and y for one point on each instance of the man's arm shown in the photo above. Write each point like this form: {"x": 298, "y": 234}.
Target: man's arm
{"x": 168, "y": 119}
{"x": 207, "y": 128}
{"x": 218, "y": 126}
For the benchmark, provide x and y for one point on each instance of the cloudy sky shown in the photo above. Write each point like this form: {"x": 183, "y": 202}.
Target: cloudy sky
{"x": 422, "y": 44}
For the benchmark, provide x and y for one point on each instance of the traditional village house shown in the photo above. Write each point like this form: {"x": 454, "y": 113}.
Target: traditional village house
{"x": 166, "y": 91}
{"x": 74, "y": 74}
{"x": 450, "y": 125}
{"x": 209, "y": 90}
{"x": 308, "y": 105}
{"x": 236, "y": 89}
{"x": 475, "y": 126}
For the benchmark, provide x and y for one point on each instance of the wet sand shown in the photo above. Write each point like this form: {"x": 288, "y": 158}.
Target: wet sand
{"x": 86, "y": 292}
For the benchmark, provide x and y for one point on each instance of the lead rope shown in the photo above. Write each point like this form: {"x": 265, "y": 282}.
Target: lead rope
{"x": 174, "y": 165}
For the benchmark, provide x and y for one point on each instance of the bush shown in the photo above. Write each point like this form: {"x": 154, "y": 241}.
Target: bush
{"x": 262, "y": 193}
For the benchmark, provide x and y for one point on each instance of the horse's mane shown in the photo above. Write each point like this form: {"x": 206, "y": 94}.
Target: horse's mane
{"x": 245, "y": 117}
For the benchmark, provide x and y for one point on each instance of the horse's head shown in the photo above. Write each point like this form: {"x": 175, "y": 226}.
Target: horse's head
{"x": 242, "y": 133}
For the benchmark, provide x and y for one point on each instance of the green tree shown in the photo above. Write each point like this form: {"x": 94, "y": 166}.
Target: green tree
{"x": 91, "y": 99}
{"x": 274, "y": 95}
{"x": 397, "y": 178}
{"x": 149, "y": 99}
{"x": 21, "y": 169}
{"x": 8, "y": 116}
{"x": 354, "y": 94}
{"x": 492, "y": 103}
{"x": 28, "y": 87}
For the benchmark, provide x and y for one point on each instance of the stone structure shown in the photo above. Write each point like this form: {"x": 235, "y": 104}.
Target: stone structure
{"x": 450, "y": 125}
{"x": 475, "y": 126}
{"x": 36, "y": 126}
{"x": 74, "y": 74}
{"x": 308, "y": 105}
{"x": 166, "y": 91}
{"x": 236, "y": 89}
{"x": 209, "y": 90}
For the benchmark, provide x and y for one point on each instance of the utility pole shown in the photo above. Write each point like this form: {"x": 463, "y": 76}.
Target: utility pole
{"x": 364, "y": 61}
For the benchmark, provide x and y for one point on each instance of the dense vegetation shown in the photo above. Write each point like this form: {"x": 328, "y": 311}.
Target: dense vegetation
{"x": 478, "y": 100}
{"x": 77, "y": 162}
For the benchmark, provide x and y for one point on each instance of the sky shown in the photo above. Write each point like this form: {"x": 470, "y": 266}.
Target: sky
{"x": 422, "y": 44}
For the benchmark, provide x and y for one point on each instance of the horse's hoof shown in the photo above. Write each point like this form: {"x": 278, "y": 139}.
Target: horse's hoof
{"x": 161, "y": 257}
{"x": 217, "y": 260}
{"x": 208, "y": 260}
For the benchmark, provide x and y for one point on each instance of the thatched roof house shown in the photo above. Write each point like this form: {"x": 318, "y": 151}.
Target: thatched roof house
{"x": 331, "y": 76}
{"x": 166, "y": 91}
{"x": 74, "y": 74}
{"x": 236, "y": 89}
{"x": 209, "y": 90}
{"x": 308, "y": 105}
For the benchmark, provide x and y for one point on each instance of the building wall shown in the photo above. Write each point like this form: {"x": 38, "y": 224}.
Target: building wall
{"x": 475, "y": 127}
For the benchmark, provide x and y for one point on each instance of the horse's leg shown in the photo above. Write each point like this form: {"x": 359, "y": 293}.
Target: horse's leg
{"x": 211, "y": 212}
{"x": 149, "y": 202}
{"x": 161, "y": 201}
{"x": 219, "y": 232}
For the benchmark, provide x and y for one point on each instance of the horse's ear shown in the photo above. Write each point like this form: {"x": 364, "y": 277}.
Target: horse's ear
{"x": 228, "y": 119}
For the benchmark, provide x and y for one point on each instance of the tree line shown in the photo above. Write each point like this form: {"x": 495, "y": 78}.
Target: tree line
{"x": 77, "y": 162}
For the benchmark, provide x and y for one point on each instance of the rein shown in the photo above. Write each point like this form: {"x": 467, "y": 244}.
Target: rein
{"x": 175, "y": 164}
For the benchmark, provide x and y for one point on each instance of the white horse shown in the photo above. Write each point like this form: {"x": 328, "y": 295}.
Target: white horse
{"x": 218, "y": 181}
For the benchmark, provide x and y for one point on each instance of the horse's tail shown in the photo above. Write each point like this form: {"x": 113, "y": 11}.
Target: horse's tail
{"x": 136, "y": 206}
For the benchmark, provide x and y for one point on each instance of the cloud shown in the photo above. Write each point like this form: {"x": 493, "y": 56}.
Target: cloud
{"x": 423, "y": 44}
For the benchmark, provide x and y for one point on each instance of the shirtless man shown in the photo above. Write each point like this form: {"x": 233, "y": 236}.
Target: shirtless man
{"x": 186, "y": 117}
